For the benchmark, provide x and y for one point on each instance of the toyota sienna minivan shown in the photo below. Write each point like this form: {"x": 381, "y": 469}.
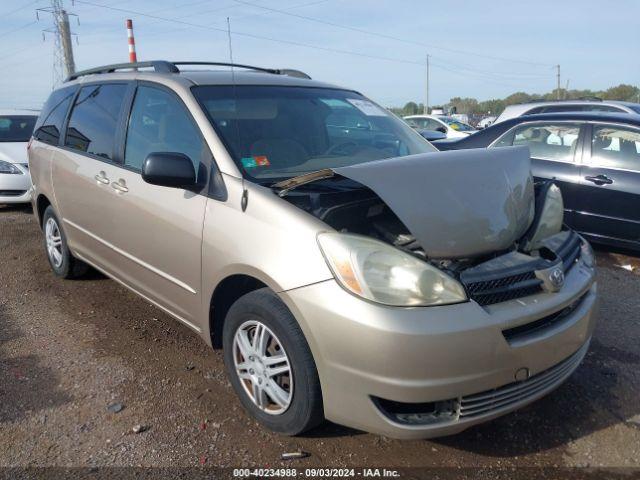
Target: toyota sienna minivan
{"x": 347, "y": 269}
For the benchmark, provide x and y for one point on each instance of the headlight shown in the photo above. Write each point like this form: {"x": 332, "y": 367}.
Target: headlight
{"x": 6, "y": 167}
{"x": 383, "y": 274}
{"x": 549, "y": 221}
{"x": 586, "y": 254}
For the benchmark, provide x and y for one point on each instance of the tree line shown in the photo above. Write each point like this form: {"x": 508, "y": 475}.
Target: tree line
{"x": 471, "y": 106}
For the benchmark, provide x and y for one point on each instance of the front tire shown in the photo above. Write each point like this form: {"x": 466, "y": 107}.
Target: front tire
{"x": 63, "y": 263}
{"x": 270, "y": 365}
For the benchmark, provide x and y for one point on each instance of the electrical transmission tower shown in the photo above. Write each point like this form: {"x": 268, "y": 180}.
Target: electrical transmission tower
{"x": 63, "y": 62}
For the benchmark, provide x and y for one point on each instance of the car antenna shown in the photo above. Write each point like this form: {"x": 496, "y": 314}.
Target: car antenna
{"x": 245, "y": 194}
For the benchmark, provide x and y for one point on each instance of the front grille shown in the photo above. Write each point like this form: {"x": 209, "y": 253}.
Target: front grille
{"x": 513, "y": 275}
{"x": 516, "y": 333}
{"x": 485, "y": 403}
{"x": 569, "y": 251}
{"x": 506, "y": 288}
{"x": 12, "y": 193}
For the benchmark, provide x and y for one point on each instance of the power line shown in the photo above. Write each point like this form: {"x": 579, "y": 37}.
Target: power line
{"x": 254, "y": 36}
{"x": 18, "y": 29}
{"x": 4, "y": 15}
{"x": 391, "y": 37}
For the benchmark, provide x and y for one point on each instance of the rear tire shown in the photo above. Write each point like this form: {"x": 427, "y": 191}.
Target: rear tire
{"x": 63, "y": 263}
{"x": 289, "y": 402}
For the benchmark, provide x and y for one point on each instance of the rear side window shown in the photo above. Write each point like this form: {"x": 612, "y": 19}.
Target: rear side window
{"x": 51, "y": 119}
{"x": 545, "y": 141}
{"x": 94, "y": 119}
{"x": 160, "y": 123}
{"x": 615, "y": 147}
{"x": 16, "y": 128}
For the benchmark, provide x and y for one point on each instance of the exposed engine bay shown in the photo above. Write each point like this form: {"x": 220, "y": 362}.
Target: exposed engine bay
{"x": 520, "y": 270}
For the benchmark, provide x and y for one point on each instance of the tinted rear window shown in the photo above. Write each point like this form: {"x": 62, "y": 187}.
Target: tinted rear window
{"x": 16, "y": 128}
{"x": 94, "y": 119}
{"x": 49, "y": 124}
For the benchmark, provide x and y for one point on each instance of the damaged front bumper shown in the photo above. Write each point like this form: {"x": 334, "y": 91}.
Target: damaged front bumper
{"x": 433, "y": 371}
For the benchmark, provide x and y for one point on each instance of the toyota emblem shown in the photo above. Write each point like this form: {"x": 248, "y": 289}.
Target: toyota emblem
{"x": 556, "y": 277}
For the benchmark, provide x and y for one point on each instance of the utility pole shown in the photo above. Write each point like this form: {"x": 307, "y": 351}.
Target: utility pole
{"x": 426, "y": 102}
{"x": 558, "y": 75}
{"x": 63, "y": 62}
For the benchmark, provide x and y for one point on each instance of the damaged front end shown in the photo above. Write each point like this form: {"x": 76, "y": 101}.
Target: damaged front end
{"x": 440, "y": 228}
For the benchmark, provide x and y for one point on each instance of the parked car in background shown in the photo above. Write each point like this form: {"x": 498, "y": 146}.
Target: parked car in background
{"x": 486, "y": 121}
{"x": 16, "y": 127}
{"x": 364, "y": 278}
{"x": 593, "y": 157}
{"x": 594, "y": 105}
{"x": 451, "y": 127}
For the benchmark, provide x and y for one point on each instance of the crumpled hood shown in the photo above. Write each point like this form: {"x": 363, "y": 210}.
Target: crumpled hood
{"x": 459, "y": 203}
{"x": 13, "y": 152}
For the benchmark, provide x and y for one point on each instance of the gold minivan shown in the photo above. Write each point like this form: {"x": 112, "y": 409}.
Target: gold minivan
{"x": 348, "y": 269}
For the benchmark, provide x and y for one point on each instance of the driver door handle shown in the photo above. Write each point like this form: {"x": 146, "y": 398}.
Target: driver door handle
{"x": 102, "y": 178}
{"x": 599, "y": 179}
{"x": 120, "y": 186}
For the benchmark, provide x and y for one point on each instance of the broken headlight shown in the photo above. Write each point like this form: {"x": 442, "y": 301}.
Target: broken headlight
{"x": 548, "y": 219}
{"x": 381, "y": 273}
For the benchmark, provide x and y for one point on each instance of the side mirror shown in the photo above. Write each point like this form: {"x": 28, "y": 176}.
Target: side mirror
{"x": 441, "y": 129}
{"x": 169, "y": 169}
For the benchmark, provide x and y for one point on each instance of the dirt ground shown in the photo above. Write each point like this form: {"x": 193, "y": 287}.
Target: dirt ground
{"x": 70, "y": 349}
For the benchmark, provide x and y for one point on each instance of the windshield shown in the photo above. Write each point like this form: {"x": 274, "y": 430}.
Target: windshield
{"x": 635, "y": 108}
{"x": 16, "y": 128}
{"x": 457, "y": 124}
{"x": 275, "y": 132}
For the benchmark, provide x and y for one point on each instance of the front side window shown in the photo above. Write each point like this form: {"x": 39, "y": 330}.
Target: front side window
{"x": 160, "y": 123}
{"x": 94, "y": 119}
{"x": 275, "y": 132}
{"x": 16, "y": 128}
{"x": 49, "y": 124}
{"x": 615, "y": 147}
{"x": 545, "y": 141}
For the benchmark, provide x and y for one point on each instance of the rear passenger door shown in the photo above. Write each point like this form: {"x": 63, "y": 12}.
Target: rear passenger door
{"x": 611, "y": 184}
{"x": 157, "y": 231}
{"x": 83, "y": 167}
{"x": 554, "y": 156}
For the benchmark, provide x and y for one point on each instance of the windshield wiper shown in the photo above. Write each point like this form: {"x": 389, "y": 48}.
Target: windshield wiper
{"x": 285, "y": 186}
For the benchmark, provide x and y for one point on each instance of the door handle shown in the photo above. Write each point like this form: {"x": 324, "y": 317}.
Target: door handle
{"x": 599, "y": 179}
{"x": 102, "y": 178}
{"x": 120, "y": 186}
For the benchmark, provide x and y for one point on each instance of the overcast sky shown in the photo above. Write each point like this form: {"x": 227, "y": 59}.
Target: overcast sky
{"x": 482, "y": 49}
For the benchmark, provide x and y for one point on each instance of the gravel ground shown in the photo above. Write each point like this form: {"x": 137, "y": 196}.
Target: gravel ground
{"x": 71, "y": 349}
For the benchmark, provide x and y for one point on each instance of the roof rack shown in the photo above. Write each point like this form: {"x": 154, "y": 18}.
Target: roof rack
{"x": 163, "y": 66}
{"x": 563, "y": 100}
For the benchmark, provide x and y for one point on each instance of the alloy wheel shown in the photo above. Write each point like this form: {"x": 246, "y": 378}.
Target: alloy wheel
{"x": 263, "y": 367}
{"x": 53, "y": 239}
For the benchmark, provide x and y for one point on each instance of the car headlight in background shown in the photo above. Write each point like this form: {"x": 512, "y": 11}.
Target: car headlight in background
{"x": 549, "y": 220}
{"x": 6, "y": 167}
{"x": 381, "y": 273}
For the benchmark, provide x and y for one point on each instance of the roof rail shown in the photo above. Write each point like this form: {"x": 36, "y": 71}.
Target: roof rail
{"x": 160, "y": 66}
{"x": 276, "y": 71}
{"x": 163, "y": 66}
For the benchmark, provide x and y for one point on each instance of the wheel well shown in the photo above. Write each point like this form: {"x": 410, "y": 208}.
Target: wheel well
{"x": 41, "y": 204}
{"x": 226, "y": 293}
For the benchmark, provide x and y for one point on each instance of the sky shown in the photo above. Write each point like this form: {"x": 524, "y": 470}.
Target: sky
{"x": 478, "y": 48}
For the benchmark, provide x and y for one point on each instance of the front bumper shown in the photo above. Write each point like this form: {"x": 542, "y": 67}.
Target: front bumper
{"x": 15, "y": 188}
{"x": 456, "y": 353}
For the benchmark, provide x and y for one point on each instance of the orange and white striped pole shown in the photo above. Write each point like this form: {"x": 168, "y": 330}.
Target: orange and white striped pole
{"x": 132, "y": 42}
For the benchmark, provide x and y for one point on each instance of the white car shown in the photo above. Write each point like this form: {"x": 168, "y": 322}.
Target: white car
{"x": 607, "y": 106}
{"x": 451, "y": 127}
{"x": 16, "y": 127}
